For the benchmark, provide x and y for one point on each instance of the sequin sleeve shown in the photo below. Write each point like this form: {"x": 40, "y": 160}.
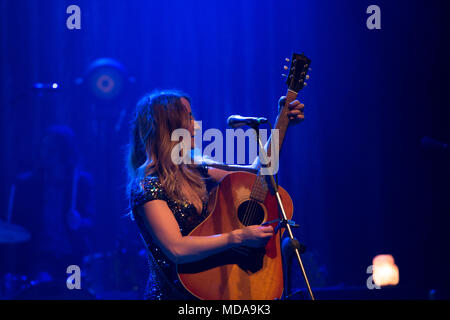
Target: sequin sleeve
{"x": 147, "y": 190}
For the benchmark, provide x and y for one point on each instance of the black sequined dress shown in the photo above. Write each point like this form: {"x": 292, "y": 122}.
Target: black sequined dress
{"x": 163, "y": 282}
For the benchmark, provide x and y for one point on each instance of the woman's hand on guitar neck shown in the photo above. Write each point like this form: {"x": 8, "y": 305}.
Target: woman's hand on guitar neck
{"x": 253, "y": 236}
{"x": 296, "y": 110}
{"x": 295, "y": 114}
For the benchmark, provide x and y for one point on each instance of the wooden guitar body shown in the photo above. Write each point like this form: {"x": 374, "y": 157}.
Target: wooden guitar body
{"x": 239, "y": 273}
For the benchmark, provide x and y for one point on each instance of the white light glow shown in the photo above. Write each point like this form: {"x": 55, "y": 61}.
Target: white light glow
{"x": 385, "y": 271}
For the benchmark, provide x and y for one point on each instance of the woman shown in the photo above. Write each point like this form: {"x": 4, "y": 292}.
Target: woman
{"x": 168, "y": 201}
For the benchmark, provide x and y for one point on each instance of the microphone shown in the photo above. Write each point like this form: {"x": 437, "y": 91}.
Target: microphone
{"x": 236, "y": 121}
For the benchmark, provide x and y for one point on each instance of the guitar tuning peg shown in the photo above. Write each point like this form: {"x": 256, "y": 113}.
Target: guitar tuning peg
{"x": 284, "y": 75}
{"x": 307, "y": 77}
{"x": 287, "y": 59}
{"x": 305, "y": 84}
{"x": 285, "y": 67}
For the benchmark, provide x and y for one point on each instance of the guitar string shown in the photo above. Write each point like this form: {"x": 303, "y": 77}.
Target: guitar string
{"x": 248, "y": 208}
{"x": 247, "y": 214}
{"x": 251, "y": 210}
{"x": 259, "y": 193}
{"x": 246, "y": 219}
{"x": 253, "y": 205}
{"x": 259, "y": 190}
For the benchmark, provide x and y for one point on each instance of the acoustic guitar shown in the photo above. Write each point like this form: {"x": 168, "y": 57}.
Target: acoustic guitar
{"x": 242, "y": 199}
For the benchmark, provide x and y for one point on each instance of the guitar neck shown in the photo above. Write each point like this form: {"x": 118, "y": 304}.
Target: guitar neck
{"x": 282, "y": 122}
{"x": 295, "y": 82}
{"x": 260, "y": 189}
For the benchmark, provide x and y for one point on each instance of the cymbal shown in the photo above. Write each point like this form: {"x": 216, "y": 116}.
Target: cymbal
{"x": 11, "y": 233}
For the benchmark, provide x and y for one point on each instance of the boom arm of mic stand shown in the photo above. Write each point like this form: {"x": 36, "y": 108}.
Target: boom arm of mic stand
{"x": 283, "y": 218}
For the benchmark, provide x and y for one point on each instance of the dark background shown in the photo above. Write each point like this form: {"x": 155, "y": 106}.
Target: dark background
{"x": 361, "y": 180}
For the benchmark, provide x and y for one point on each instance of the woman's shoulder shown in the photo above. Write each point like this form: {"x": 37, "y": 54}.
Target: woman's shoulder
{"x": 146, "y": 189}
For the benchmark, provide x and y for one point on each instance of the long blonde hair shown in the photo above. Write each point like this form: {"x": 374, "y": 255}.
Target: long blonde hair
{"x": 157, "y": 115}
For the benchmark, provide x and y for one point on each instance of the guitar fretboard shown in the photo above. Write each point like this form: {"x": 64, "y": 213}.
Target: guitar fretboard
{"x": 260, "y": 187}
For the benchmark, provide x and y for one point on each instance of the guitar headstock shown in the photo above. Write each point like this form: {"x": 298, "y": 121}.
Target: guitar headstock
{"x": 298, "y": 72}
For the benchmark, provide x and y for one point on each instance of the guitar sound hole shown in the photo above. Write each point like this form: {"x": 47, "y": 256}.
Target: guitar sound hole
{"x": 250, "y": 213}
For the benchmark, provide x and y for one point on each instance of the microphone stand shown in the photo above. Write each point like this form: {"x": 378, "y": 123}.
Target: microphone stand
{"x": 283, "y": 222}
